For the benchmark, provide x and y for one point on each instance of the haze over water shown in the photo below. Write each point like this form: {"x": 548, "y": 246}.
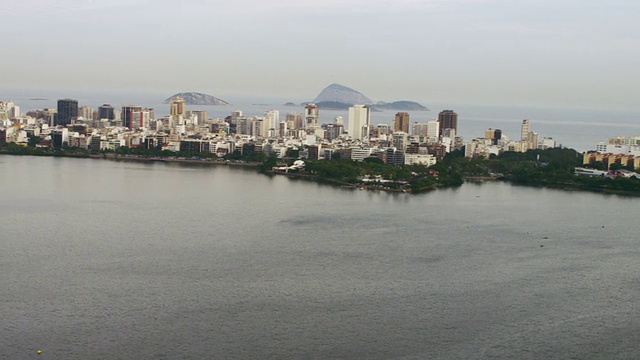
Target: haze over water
{"x": 119, "y": 260}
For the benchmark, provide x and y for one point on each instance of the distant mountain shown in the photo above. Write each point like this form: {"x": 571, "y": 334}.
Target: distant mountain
{"x": 337, "y": 93}
{"x": 401, "y": 105}
{"x": 333, "y": 105}
{"x": 339, "y": 97}
{"x": 196, "y": 98}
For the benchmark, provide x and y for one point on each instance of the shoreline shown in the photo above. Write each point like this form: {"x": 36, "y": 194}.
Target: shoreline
{"x": 169, "y": 160}
{"x": 115, "y": 157}
{"x": 341, "y": 184}
{"x": 312, "y": 177}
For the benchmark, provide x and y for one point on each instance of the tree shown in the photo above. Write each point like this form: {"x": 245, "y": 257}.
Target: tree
{"x": 373, "y": 160}
{"x": 34, "y": 140}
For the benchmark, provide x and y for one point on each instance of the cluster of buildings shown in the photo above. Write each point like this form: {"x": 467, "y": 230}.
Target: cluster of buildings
{"x": 495, "y": 142}
{"x": 108, "y": 128}
{"x": 624, "y": 151}
{"x": 401, "y": 143}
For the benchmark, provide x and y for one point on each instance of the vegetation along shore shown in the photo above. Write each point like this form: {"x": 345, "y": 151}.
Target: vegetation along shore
{"x": 553, "y": 168}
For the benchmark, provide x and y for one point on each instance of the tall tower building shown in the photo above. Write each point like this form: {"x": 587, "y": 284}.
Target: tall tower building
{"x": 494, "y": 134}
{"x": 260, "y": 127}
{"x": 244, "y": 125}
{"x": 489, "y": 133}
{"x": 67, "y": 111}
{"x": 86, "y": 112}
{"x": 282, "y": 129}
{"x": 359, "y": 120}
{"x": 273, "y": 118}
{"x": 532, "y": 140}
{"x": 401, "y": 122}
{"x": 5, "y": 109}
{"x": 433, "y": 130}
{"x": 311, "y": 113}
{"x": 106, "y": 111}
{"x": 127, "y": 116}
{"x": 447, "y": 119}
{"x": 178, "y": 106}
{"x": 14, "y": 112}
{"x": 524, "y": 130}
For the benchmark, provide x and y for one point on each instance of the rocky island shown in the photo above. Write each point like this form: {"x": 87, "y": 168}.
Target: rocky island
{"x": 404, "y": 105}
{"x": 196, "y": 98}
{"x": 340, "y": 97}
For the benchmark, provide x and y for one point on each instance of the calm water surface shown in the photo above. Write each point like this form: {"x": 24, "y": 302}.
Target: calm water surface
{"x": 124, "y": 260}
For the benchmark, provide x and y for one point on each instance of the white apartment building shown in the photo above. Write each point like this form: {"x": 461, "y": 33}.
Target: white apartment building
{"x": 359, "y": 120}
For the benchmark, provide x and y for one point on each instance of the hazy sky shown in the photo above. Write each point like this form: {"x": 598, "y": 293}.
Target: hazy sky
{"x": 506, "y": 52}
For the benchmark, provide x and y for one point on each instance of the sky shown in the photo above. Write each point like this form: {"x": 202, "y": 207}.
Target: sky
{"x": 570, "y": 53}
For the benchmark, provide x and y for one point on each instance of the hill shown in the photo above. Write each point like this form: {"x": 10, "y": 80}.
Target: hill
{"x": 333, "y": 105}
{"x": 339, "y": 97}
{"x": 196, "y": 98}
{"x": 336, "y": 93}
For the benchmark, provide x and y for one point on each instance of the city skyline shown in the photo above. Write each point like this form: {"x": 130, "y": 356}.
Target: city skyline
{"x": 477, "y": 52}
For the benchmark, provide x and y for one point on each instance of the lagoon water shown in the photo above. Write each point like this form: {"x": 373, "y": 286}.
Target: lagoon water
{"x": 103, "y": 259}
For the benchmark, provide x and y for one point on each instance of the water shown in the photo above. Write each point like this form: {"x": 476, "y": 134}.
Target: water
{"x": 127, "y": 260}
{"x": 580, "y": 129}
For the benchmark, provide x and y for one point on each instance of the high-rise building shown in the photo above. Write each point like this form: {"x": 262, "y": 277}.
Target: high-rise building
{"x": 6, "y": 109}
{"x": 497, "y": 134}
{"x": 420, "y": 129}
{"x": 127, "y": 116}
{"x": 311, "y": 113}
{"x": 86, "y": 112}
{"x": 489, "y": 133}
{"x": 106, "y": 111}
{"x": 532, "y": 140}
{"x": 244, "y": 125}
{"x": 447, "y": 119}
{"x": 494, "y": 134}
{"x": 433, "y": 130}
{"x": 383, "y": 129}
{"x": 67, "y": 111}
{"x": 332, "y": 131}
{"x": 524, "y": 130}
{"x": 359, "y": 120}
{"x": 178, "y": 106}
{"x": 235, "y": 114}
{"x": 273, "y": 118}
{"x": 3, "y": 136}
{"x": 201, "y": 116}
{"x": 295, "y": 120}
{"x": 428, "y": 131}
{"x": 401, "y": 122}
{"x": 59, "y": 138}
{"x": 14, "y": 112}
{"x": 142, "y": 118}
{"x": 282, "y": 129}
{"x": 399, "y": 140}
